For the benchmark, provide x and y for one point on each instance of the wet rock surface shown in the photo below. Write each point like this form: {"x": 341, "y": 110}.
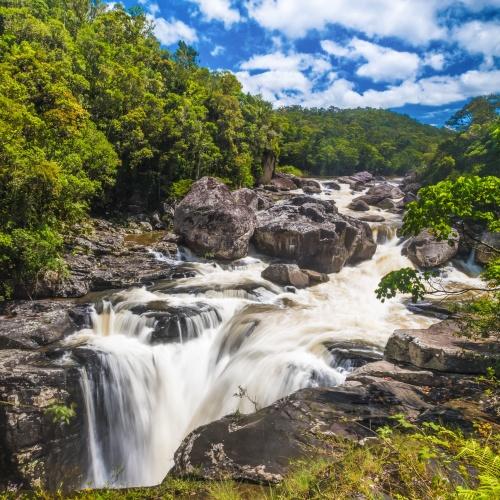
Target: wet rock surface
{"x": 105, "y": 257}
{"x": 260, "y": 447}
{"x": 176, "y": 323}
{"x": 426, "y": 251}
{"x": 35, "y": 450}
{"x": 34, "y": 324}
{"x": 210, "y": 220}
{"x": 286, "y": 274}
{"x": 313, "y": 234}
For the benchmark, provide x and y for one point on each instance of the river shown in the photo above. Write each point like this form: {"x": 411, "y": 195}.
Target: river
{"x": 243, "y": 344}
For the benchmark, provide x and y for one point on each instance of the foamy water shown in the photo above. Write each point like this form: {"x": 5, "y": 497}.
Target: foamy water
{"x": 252, "y": 335}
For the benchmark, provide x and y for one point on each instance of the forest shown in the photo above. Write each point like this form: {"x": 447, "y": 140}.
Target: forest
{"x": 96, "y": 116}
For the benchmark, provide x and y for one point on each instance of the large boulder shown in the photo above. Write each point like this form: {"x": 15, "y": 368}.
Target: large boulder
{"x": 35, "y": 450}
{"x": 263, "y": 446}
{"x": 358, "y": 205}
{"x": 283, "y": 183}
{"x": 332, "y": 185}
{"x": 210, "y": 220}
{"x": 286, "y": 274}
{"x": 247, "y": 197}
{"x": 362, "y": 177}
{"x": 310, "y": 186}
{"x": 440, "y": 348}
{"x": 385, "y": 190}
{"x": 313, "y": 234}
{"x": 426, "y": 251}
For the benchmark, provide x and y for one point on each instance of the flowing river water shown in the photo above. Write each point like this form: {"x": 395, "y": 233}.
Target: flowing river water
{"x": 243, "y": 335}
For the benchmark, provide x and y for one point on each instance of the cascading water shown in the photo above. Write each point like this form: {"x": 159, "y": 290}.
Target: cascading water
{"x": 158, "y": 375}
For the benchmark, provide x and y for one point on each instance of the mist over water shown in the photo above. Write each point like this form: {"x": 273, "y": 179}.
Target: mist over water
{"x": 241, "y": 332}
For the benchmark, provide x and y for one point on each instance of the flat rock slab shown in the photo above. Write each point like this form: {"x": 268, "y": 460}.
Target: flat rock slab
{"x": 440, "y": 348}
{"x": 33, "y": 324}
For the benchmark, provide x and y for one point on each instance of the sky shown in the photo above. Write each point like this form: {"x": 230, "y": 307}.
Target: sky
{"x": 425, "y": 58}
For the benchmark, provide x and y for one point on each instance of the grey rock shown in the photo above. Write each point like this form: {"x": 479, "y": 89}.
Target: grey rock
{"x": 358, "y": 205}
{"x": 211, "y": 221}
{"x": 35, "y": 451}
{"x": 332, "y": 185}
{"x": 440, "y": 348}
{"x": 310, "y": 186}
{"x": 426, "y": 251}
{"x": 35, "y": 324}
{"x": 312, "y": 234}
{"x": 384, "y": 190}
{"x": 286, "y": 274}
{"x": 372, "y": 218}
{"x": 283, "y": 183}
{"x": 485, "y": 252}
{"x": 247, "y": 197}
{"x": 262, "y": 447}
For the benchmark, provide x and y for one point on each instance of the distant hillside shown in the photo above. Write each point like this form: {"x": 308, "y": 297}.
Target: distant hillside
{"x": 338, "y": 142}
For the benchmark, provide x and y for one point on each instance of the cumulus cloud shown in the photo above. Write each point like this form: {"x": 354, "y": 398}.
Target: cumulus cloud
{"x": 170, "y": 32}
{"x": 220, "y": 10}
{"x": 292, "y": 87}
{"x": 478, "y": 37}
{"x": 281, "y": 75}
{"x": 293, "y": 61}
{"x": 382, "y": 64}
{"x": 416, "y": 20}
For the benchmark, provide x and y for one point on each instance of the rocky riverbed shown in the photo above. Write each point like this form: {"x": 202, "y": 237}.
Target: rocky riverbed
{"x": 150, "y": 342}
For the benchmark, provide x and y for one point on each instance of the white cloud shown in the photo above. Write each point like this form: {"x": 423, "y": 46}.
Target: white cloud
{"x": 282, "y": 75}
{"x": 434, "y": 60}
{"x": 382, "y": 64}
{"x": 154, "y": 9}
{"x": 416, "y": 21}
{"x": 170, "y": 32}
{"x": 293, "y": 61}
{"x": 275, "y": 85}
{"x": 385, "y": 64}
{"x": 334, "y": 49}
{"x": 292, "y": 87}
{"x": 219, "y": 10}
{"x": 217, "y": 51}
{"x": 478, "y": 37}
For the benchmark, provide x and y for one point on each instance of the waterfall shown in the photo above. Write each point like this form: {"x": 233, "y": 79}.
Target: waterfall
{"x": 167, "y": 360}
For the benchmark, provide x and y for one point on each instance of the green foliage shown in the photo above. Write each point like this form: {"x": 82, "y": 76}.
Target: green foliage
{"x": 480, "y": 317}
{"x": 180, "y": 188}
{"x": 405, "y": 280}
{"x": 475, "y": 149}
{"x": 95, "y": 114}
{"x": 61, "y": 414}
{"x": 340, "y": 142}
{"x": 451, "y": 202}
{"x": 290, "y": 169}
{"x": 442, "y": 207}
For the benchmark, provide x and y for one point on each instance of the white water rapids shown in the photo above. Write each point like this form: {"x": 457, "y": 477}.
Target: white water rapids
{"x": 145, "y": 397}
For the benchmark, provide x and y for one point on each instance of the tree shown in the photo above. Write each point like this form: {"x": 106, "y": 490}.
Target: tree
{"x": 442, "y": 207}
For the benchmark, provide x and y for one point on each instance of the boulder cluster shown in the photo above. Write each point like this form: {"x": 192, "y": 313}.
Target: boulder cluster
{"x": 303, "y": 230}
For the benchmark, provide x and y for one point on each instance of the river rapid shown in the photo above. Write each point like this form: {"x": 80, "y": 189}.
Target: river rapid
{"x": 244, "y": 344}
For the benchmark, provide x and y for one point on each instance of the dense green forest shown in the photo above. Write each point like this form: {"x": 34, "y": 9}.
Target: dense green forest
{"x": 95, "y": 115}
{"x": 474, "y": 148}
{"x": 341, "y": 142}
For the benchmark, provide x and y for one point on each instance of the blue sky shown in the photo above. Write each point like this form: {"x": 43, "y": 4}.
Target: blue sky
{"x": 420, "y": 57}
